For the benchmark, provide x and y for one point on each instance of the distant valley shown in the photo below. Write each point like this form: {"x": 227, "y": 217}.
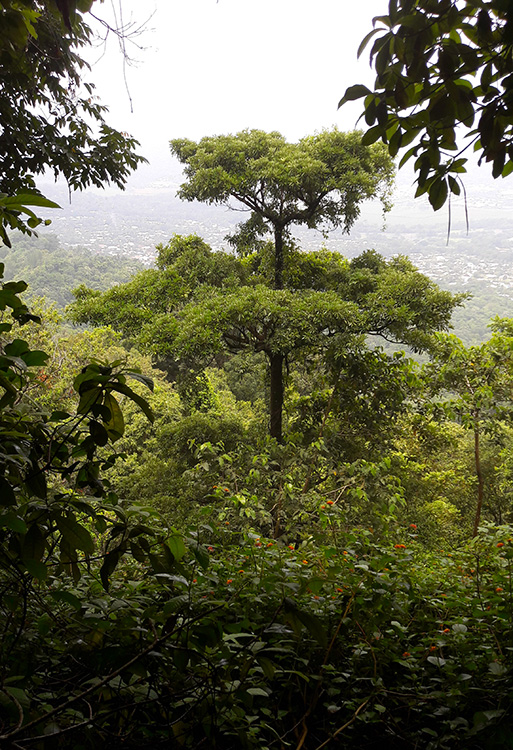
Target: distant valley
{"x": 133, "y": 222}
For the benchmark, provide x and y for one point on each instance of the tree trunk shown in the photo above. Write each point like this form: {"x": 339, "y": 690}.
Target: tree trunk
{"x": 479, "y": 474}
{"x": 278, "y": 257}
{"x": 276, "y": 360}
{"x": 276, "y": 396}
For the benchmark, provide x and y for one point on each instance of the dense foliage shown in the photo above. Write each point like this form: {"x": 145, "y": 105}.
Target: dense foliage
{"x": 199, "y": 307}
{"x": 49, "y": 116}
{"x": 441, "y": 67}
{"x": 53, "y": 271}
{"x": 262, "y": 595}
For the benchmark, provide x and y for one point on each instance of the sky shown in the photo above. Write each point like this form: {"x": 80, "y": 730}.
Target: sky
{"x": 218, "y": 66}
{"x": 209, "y": 67}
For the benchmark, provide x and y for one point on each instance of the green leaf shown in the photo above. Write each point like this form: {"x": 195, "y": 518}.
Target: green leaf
{"x": 98, "y": 433}
{"x": 177, "y": 546}
{"x": 133, "y": 396}
{"x": 29, "y": 199}
{"x": 365, "y": 42}
{"x": 67, "y": 597}
{"x": 33, "y": 543}
{"x": 14, "y": 522}
{"x": 35, "y": 358}
{"x": 438, "y": 193}
{"x": 147, "y": 381}
{"x": 36, "y": 483}
{"x": 437, "y": 661}
{"x": 200, "y": 553}
{"x": 115, "y": 426}
{"x": 354, "y": 92}
{"x": 372, "y": 135}
{"x": 110, "y": 562}
{"x": 497, "y": 668}
{"x": 36, "y": 569}
{"x": 88, "y": 399}
{"x": 76, "y": 535}
{"x": 309, "y": 621}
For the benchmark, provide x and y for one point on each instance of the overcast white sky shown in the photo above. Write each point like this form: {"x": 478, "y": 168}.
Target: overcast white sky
{"x": 218, "y": 67}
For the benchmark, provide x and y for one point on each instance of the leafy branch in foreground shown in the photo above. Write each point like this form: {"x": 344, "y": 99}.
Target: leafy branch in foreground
{"x": 441, "y": 67}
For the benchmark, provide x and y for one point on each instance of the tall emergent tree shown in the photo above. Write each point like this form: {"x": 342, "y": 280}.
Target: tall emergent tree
{"x": 442, "y": 67}
{"x": 199, "y": 304}
{"x": 319, "y": 182}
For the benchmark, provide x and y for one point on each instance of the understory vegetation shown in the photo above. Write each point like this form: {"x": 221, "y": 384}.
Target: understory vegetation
{"x": 171, "y": 576}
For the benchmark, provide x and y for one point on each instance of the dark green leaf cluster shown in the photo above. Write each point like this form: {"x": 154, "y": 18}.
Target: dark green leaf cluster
{"x": 441, "y": 66}
{"x": 45, "y": 116}
{"x": 49, "y": 117}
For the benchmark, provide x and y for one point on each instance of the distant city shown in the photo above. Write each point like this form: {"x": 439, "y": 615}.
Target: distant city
{"x": 133, "y": 222}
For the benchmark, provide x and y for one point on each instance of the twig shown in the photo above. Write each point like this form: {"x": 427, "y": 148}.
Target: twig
{"x": 344, "y": 726}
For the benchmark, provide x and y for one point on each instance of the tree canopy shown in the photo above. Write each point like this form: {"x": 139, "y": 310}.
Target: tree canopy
{"x": 319, "y": 182}
{"x": 442, "y": 67}
{"x": 201, "y": 304}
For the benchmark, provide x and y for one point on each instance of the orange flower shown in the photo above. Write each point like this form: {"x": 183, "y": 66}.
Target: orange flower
{"x": 241, "y": 571}
{"x": 432, "y": 648}
{"x": 329, "y": 502}
{"x": 323, "y": 506}
{"x": 305, "y": 562}
{"x": 230, "y": 580}
{"x": 446, "y": 630}
{"x": 406, "y": 654}
{"x": 269, "y": 544}
{"x": 400, "y": 546}
{"x": 498, "y": 589}
{"x": 210, "y": 549}
{"x": 413, "y": 525}
{"x": 291, "y": 546}
{"x": 258, "y": 544}
{"x": 226, "y": 523}
{"x": 195, "y": 580}
{"x": 345, "y": 552}
{"x": 500, "y": 544}
{"x": 338, "y": 589}
{"x": 226, "y": 489}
